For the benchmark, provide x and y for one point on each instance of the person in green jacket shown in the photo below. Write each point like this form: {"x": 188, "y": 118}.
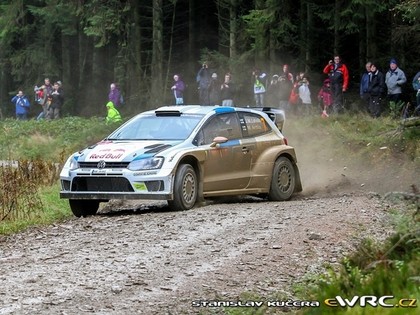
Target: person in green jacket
{"x": 113, "y": 114}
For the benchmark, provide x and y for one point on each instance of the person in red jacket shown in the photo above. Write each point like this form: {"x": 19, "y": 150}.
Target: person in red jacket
{"x": 339, "y": 80}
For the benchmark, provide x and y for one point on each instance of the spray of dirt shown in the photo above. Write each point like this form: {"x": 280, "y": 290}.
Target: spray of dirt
{"x": 328, "y": 165}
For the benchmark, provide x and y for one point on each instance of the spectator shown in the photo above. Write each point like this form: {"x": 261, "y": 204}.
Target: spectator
{"x": 227, "y": 91}
{"x": 40, "y": 98}
{"x": 273, "y": 91}
{"x": 203, "y": 79}
{"x": 325, "y": 98}
{"x": 259, "y": 87}
{"x": 114, "y": 95}
{"x": 47, "y": 89}
{"x": 364, "y": 85}
{"x": 22, "y": 105}
{"x": 214, "y": 90}
{"x": 305, "y": 96}
{"x": 178, "y": 90}
{"x": 416, "y": 87}
{"x": 339, "y": 78}
{"x": 113, "y": 114}
{"x": 394, "y": 79}
{"x": 376, "y": 89}
{"x": 57, "y": 100}
{"x": 286, "y": 84}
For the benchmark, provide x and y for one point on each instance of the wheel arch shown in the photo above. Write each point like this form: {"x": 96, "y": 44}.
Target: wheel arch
{"x": 194, "y": 162}
{"x": 292, "y": 158}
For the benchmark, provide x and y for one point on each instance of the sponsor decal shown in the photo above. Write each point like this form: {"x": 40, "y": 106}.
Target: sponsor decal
{"x": 108, "y": 156}
{"x": 140, "y": 186}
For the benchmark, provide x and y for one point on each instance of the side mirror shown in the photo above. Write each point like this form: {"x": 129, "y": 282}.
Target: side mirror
{"x": 218, "y": 140}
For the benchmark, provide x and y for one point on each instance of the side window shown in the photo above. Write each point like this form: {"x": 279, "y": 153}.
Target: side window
{"x": 224, "y": 125}
{"x": 253, "y": 125}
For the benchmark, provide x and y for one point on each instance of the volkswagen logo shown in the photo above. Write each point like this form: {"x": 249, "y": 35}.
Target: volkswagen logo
{"x": 101, "y": 164}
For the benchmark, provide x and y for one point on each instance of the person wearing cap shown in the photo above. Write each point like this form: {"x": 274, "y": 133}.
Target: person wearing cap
{"x": 376, "y": 89}
{"x": 394, "y": 79}
{"x": 339, "y": 77}
{"x": 214, "y": 90}
{"x": 178, "y": 89}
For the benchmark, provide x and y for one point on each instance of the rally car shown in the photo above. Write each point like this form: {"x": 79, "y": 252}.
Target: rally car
{"x": 185, "y": 154}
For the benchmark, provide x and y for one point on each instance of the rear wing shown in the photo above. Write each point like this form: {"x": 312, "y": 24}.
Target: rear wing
{"x": 276, "y": 115}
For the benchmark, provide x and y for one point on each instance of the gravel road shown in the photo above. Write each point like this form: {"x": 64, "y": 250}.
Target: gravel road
{"x": 145, "y": 259}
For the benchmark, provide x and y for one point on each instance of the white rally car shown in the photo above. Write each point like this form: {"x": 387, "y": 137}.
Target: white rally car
{"x": 183, "y": 154}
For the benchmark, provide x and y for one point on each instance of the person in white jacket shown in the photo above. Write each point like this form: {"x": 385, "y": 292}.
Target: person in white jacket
{"x": 394, "y": 79}
{"x": 305, "y": 96}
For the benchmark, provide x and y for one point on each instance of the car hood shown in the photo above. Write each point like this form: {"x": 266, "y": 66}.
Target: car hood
{"x": 124, "y": 150}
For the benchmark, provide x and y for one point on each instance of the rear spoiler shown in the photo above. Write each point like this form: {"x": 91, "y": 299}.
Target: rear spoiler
{"x": 276, "y": 115}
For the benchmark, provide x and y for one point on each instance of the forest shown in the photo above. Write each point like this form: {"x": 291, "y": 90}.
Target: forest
{"x": 141, "y": 44}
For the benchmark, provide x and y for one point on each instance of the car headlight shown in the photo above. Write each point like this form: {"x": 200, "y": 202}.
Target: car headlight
{"x": 73, "y": 164}
{"x": 146, "y": 164}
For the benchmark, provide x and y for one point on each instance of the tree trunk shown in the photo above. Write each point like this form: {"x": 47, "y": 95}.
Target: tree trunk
{"x": 233, "y": 25}
{"x": 260, "y": 38}
{"x": 157, "y": 55}
{"x": 337, "y": 20}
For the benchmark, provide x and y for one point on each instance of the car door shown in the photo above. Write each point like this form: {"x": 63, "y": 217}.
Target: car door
{"x": 227, "y": 165}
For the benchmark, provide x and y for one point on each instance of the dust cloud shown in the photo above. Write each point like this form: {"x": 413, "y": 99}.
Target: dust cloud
{"x": 328, "y": 166}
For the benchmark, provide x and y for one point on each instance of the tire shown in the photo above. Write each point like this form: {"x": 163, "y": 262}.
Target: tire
{"x": 283, "y": 181}
{"x": 83, "y": 207}
{"x": 185, "y": 188}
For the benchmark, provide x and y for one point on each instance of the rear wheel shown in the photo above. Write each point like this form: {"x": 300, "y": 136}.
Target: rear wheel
{"x": 84, "y": 208}
{"x": 185, "y": 188}
{"x": 283, "y": 181}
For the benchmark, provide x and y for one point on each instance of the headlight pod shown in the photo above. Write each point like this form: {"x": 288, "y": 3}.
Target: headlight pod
{"x": 73, "y": 164}
{"x": 146, "y": 164}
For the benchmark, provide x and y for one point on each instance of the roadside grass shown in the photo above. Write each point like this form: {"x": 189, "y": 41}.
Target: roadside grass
{"x": 32, "y": 154}
{"x": 391, "y": 268}
{"x": 50, "y": 140}
{"x": 52, "y": 210}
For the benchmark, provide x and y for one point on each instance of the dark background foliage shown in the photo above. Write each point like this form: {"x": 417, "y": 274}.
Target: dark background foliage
{"x": 140, "y": 44}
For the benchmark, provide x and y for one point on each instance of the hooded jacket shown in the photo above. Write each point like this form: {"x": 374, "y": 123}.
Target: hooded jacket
{"x": 394, "y": 79}
{"x": 113, "y": 114}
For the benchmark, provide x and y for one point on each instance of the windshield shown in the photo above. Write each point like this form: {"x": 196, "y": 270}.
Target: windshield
{"x": 151, "y": 127}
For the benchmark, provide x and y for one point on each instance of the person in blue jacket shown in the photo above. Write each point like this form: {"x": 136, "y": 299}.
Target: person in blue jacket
{"x": 22, "y": 105}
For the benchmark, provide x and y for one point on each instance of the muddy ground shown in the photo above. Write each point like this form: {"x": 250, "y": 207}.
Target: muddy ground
{"x": 142, "y": 258}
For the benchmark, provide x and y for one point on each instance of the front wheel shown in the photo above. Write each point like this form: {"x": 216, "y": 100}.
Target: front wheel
{"x": 185, "y": 188}
{"x": 84, "y": 208}
{"x": 283, "y": 181}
